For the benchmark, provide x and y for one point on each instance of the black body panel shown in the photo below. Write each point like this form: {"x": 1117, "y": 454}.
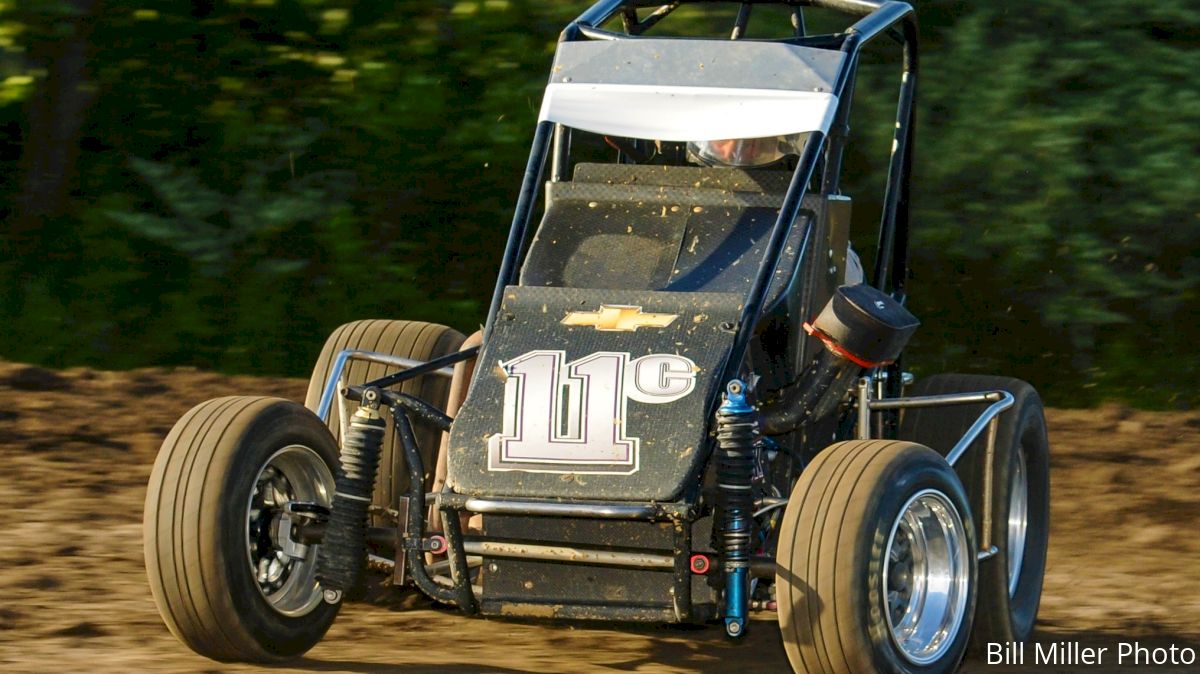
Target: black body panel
{"x": 669, "y": 440}
{"x": 691, "y": 228}
{"x": 675, "y": 228}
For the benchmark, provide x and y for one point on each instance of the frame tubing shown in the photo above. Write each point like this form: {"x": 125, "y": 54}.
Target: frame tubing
{"x": 739, "y": 24}
{"x": 788, "y": 212}
{"x": 798, "y": 22}
{"x": 568, "y": 554}
{"x": 460, "y": 567}
{"x": 681, "y": 554}
{"x": 937, "y": 400}
{"x": 895, "y": 210}
{"x": 440, "y": 365}
{"x": 1001, "y": 401}
{"x": 863, "y": 393}
{"x": 516, "y": 235}
{"x": 629, "y": 19}
{"x": 424, "y": 412}
{"x": 604, "y": 10}
{"x": 560, "y": 153}
{"x": 989, "y": 471}
{"x": 878, "y": 17}
{"x": 415, "y": 529}
{"x": 413, "y": 368}
{"x": 839, "y": 131}
{"x": 600, "y": 12}
{"x": 891, "y": 266}
{"x": 899, "y": 252}
{"x": 961, "y": 447}
{"x": 593, "y": 33}
{"x": 653, "y": 18}
{"x": 616, "y": 511}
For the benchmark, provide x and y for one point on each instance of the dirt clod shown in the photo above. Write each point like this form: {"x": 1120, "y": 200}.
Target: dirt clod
{"x": 9, "y": 619}
{"x": 36, "y": 379}
{"x": 84, "y": 630}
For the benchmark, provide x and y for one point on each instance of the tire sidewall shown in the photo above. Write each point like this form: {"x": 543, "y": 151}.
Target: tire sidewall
{"x": 1026, "y": 435}
{"x": 277, "y": 426}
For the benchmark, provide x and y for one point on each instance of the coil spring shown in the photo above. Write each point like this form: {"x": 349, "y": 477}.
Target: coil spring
{"x": 737, "y": 429}
{"x": 343, "y": 552}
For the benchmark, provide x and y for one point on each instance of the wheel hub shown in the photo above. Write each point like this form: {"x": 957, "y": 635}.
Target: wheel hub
{"x": 284, "y": 569}
{"x": 925, "y": 577}
{"x": 1018, "y": 521}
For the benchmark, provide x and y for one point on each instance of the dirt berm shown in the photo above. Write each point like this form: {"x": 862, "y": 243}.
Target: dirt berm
{"x": 76, "y": 448}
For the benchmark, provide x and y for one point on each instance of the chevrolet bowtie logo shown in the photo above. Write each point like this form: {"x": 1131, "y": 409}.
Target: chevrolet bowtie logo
{"x": 618, "y": 318}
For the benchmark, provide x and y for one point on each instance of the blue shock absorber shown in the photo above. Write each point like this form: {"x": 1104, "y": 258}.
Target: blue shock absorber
{"x": 737, "y": 430}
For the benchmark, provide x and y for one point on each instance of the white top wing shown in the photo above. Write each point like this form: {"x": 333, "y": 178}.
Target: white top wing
{"x": 682, "y": 113}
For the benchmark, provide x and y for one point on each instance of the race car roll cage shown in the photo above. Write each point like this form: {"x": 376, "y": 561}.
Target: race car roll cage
{"x": 878, "y": 391}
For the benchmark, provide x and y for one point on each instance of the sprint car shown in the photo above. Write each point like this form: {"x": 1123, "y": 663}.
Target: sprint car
{"x": 686, "y": 404}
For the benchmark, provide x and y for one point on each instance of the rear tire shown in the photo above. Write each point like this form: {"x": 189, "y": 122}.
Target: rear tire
{"x": 408, "y": 339}
{"x": 1010, "y": 583}
{"x": 214, "y": 556}
{"x": 869, "y": 529}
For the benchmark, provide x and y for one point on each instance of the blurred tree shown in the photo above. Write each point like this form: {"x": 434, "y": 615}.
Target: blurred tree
{"x": 1058, "y": 195}
{"x": 60, "y": 55}
{"x": 255, "y": 172}
{"x": 220, "y": 182}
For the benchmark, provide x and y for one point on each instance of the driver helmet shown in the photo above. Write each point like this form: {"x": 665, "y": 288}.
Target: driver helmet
{"x": 746, "y": 152}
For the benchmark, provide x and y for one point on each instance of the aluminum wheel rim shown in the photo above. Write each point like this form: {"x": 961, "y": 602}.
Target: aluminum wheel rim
{"x": 925, "y": 576}
{"x": 1018, "y": 522}
{"x": 294, "y": 473}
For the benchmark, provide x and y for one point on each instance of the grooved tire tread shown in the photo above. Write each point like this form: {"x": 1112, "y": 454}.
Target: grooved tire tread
{"x": 417, "y": 340}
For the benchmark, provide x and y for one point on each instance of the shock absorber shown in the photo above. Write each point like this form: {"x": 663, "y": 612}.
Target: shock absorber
{"x": 343, "y": 552}
{"x": 737, "y": 428}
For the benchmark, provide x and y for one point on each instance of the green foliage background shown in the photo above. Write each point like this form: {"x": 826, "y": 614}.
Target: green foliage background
{"x": 220, "y": 183}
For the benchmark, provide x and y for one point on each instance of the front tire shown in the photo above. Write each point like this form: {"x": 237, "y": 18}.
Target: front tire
{"x": 876, "y": 562}
{"x": 225, "y": 573}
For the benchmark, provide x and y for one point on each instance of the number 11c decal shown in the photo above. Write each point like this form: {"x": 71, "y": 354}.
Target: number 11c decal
{"x": 570, "y": 417}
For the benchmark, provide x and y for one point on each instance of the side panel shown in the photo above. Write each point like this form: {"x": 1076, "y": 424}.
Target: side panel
{"x": 592, "y": 394}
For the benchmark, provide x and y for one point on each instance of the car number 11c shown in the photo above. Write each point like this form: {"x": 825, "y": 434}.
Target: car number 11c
{"x": 560, "y": 413}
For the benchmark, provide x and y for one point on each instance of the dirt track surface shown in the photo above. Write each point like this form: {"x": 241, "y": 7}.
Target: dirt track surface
{"x": 77, "y": 446}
